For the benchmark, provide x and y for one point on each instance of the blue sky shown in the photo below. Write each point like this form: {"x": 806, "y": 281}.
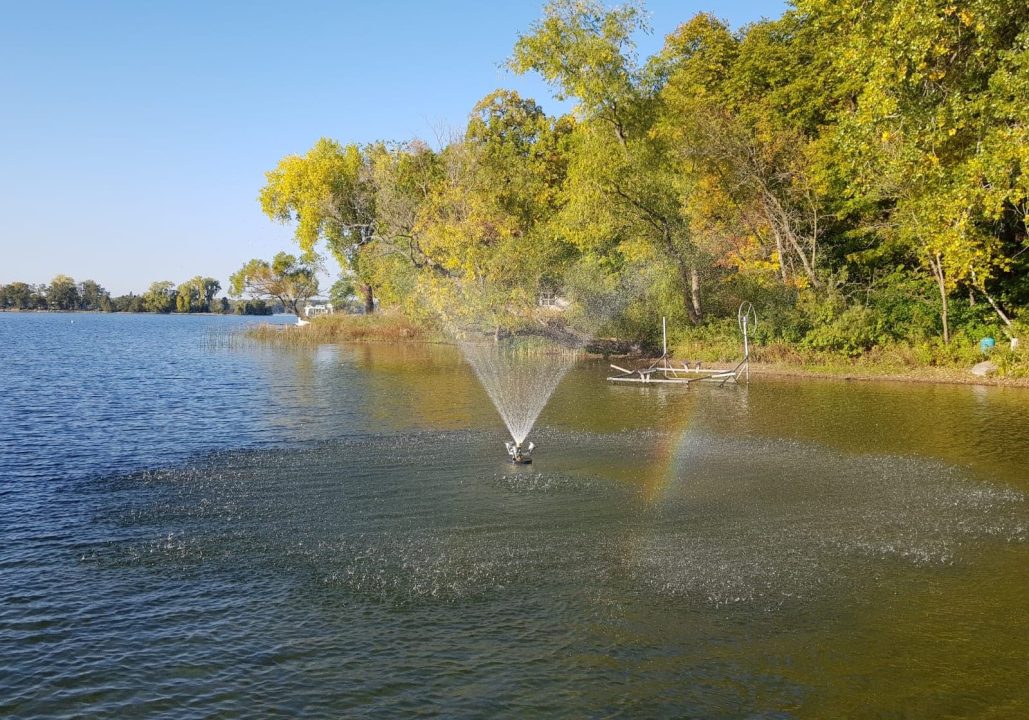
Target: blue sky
{"x": 134, "y": 136}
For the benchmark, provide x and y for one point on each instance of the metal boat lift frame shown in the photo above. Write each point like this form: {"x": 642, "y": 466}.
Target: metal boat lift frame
{"x": 665, "y": 371}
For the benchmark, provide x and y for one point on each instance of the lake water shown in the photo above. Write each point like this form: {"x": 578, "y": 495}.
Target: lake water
{"x": 192, "y": 527}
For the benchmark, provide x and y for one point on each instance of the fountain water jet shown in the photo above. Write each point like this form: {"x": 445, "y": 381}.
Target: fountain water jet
{"x": 519, "y": 377}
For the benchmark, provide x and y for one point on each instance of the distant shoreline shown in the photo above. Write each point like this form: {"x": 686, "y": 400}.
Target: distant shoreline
{"x": 131, "y": 312}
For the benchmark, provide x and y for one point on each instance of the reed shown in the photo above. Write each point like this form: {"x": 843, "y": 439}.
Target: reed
{"x": 381, "y": 327}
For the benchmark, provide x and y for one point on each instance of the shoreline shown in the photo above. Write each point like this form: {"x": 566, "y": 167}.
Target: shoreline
{"x": 409, "y": 335}
{"x": 926, "y": 375}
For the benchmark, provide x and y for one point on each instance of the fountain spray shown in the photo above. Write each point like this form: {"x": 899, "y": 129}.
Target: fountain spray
{"x": 519, "y": 377}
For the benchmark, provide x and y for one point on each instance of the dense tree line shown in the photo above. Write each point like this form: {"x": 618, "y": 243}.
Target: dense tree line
{"x": 854, "y": 167}
{"x": 63, "y": 293}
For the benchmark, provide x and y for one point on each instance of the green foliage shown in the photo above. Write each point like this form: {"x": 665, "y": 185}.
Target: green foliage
{"x": 128, "y": 303}
{"x": 160, "y": 297}
{"x": 196, "y": 295}
{"x": 92, "y": 296}
{"x": 854, "y": 169}
{"x": 342, "y": 294}
{"x": 586, "y": 51}
{"x": 17, "y": 296}
{"x": 253, "y": 307}
{"x": 63, "y": 294}
{"x": 852, "y": 332}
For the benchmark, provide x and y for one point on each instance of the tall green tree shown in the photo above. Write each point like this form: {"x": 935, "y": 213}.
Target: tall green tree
{"x": 486, "y": 223}
{"x": 361, "y": 202}
{"x": 128, "y": 303}
{"x": 623, "y": 191}
{"x": 159, "y": 297}
{"x": 729, "y": 110}
{"x": 196, "y": 294}
{"x": 63, "y": 294}
{"x": 18, "y": 295}
{"x": 94, "y": 296}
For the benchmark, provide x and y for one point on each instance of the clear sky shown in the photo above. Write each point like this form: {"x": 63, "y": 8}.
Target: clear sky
{"x": 134, "y": 135}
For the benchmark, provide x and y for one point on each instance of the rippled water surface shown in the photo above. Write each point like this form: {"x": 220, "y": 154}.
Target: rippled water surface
{"x": 192, "y": 526}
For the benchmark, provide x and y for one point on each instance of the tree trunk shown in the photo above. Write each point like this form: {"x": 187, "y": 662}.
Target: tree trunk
{"x": 695, "y": 293}
{"x": 782, "y": 254}
{"x": 691, "y": 291}
{"x": 981, "y": 287}
{"x": 941, "y": 281}
{"x": 369, "y": 300}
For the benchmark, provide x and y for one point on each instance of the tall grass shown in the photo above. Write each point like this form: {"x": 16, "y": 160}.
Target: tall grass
{"x": 721, "y": 342}
{"x": 328, "y": 329}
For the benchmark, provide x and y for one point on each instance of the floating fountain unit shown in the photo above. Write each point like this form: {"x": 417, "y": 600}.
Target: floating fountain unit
{"x": 520, "y": 455}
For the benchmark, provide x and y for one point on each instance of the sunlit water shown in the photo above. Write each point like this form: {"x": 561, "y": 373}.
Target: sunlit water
{"x": 194, "y": 528}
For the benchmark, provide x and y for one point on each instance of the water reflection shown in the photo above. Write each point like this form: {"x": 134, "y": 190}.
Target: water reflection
{"x": 952, "y": 423}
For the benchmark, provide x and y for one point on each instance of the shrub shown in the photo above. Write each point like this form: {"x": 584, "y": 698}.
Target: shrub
{"x": 854, "y": 331}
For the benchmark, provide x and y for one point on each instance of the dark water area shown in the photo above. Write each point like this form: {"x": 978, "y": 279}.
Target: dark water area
{"x": 193, "y": 526}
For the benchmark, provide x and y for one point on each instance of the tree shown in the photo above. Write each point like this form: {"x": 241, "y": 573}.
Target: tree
{"x": 208, "y": 288}
{"x": 253, "y": 307}
{"x": 748, "y": 158}
{"x": 931, "y": 149}
{"x": 160, "y": 297}
{"x": 341, "y": 293}
{"x": 362, "y": 202}
{"x": 196, "y": 294}
{"x": 622, "y": 186}
{"x": 39, "y": 297}
{"x": 587, "y": 53}
{"x": 63, "y": 294}
{"x": 128, "y": 303}
{"x": 328, "y": 194}
{"x": 289, "y": 280}
{"x": 94, "y": 296}
{"x": 187, "y": 298}
{"x": 18, "y": 295}
{"x": 485, "y": 222}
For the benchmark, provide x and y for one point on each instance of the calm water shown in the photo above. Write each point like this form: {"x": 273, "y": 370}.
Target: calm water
{"x": 195, "y": 528}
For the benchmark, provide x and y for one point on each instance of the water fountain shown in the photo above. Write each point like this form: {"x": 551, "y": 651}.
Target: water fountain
{"x": 519, "y": 375}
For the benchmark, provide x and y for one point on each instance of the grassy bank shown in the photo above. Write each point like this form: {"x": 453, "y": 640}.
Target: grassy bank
{"x": 930, "y": 361}
{"x": 328, "y": 329}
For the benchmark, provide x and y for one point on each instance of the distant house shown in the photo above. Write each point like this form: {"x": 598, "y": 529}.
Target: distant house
{"x": 552, "y": 301}
{"x": 319, "y": 309}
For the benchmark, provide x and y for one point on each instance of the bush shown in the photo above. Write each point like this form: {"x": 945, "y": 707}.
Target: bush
{"x": 856, "y": 330}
